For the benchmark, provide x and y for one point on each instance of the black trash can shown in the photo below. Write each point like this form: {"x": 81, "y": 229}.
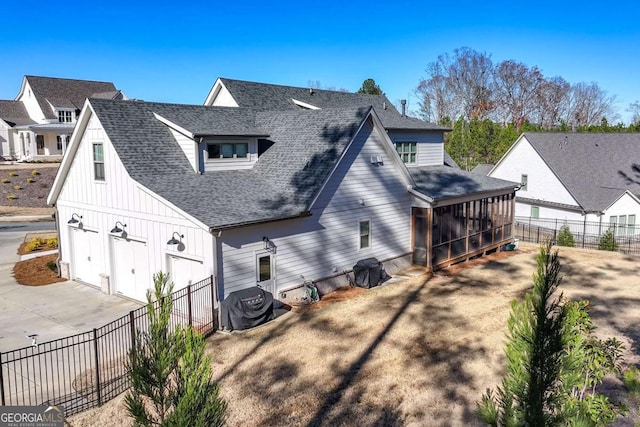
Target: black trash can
{"x": 246, "y": 308}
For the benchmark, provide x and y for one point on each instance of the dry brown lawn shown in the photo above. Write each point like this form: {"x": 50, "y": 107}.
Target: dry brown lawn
{"x": 418, "y": 352}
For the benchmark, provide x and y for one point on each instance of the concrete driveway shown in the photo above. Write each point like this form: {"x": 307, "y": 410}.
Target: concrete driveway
{"x": 52, "y": 311}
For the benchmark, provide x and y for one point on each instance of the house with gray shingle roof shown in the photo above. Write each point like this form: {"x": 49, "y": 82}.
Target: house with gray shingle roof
{"x": 575, "y": 176}
{"x": 39, "y": 122}
{"x": 264, "y": 192}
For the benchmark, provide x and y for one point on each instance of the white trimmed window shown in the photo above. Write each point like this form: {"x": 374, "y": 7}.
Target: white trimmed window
{"x": 228, "y": 150}
{"x": 365, "y": 234}
{"x": 535, "y": 212}
{"x": 407, "y": 151}
{"x": 65, "y": 116}
{"x": 524, "y": 182}
{"x": 98, "y": 161}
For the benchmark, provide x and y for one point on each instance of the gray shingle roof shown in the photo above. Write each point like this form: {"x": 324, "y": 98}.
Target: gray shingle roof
{"x": 307, "y": 145}
{"x": 444, "y": 182}
{"x": 14, "y": 113}
{"x": 482, "y": 169}
{"x": 65, "y": 93}
{"x": 596, "y": 168}
{"x": 263, "y": 96}
{"x": 211, "y": 121}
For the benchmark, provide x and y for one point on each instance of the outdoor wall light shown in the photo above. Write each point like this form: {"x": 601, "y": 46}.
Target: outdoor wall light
{"x": 75, "y": 219}
{"x": 269, "y": 246}
{"x": 118, "y": 230}
{"x": 175, "y": 242}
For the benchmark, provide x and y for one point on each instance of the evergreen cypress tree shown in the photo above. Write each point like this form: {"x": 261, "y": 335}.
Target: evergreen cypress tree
{"x": 170, "y": 375}
{"x": 554, "y": 361}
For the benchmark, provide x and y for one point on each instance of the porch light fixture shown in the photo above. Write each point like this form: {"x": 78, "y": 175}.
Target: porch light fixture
{"x": 75, "y": 219}
{"x": 175, "y": 242}
{"x": 118, "y": 230}
{"x": 269, "y": 246}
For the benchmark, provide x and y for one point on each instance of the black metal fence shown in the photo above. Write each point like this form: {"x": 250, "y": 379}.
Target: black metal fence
{"x": 85, "y": 370}
{"x": 586, "y": 234}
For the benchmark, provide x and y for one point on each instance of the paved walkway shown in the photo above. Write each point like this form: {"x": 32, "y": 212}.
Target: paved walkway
{"x": 52, "y": 311}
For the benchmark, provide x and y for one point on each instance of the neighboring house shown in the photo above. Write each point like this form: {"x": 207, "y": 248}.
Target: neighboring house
{"x": 38, "y": 124}
{"x": 264, "y": 193}
{"x": 482, "y": 169}
{"x": 575, "y": 176}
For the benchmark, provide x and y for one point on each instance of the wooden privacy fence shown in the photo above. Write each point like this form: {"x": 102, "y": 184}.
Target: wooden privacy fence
{"x": 85, "y": 370}
{"x": 586, "y": 234}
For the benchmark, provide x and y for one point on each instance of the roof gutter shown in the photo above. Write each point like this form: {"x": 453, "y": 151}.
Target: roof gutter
{"x": 218, "y": 230}
{"x": 420, "y": 195}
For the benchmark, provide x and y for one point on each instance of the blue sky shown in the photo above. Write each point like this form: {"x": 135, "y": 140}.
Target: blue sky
{"x": 174, "y": 51}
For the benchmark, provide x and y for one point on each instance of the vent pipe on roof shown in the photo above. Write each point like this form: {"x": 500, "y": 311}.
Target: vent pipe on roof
{"x": 404, "y": 107}
{"x": 384, "y": 105}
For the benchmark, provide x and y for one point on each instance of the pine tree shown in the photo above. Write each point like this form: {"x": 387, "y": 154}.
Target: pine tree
{"x": 565, "y": 237}
{"x": 170, "y": 375}
{"x": 554, "y": 361}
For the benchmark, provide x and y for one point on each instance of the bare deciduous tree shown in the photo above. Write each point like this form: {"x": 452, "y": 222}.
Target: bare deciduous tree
{"x": 589, "y": 105}
{"x": 516, "y": 86}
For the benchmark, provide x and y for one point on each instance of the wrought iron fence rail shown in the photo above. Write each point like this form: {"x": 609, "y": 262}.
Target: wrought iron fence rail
{"x": 85, "y": 370}
{"x": 586, "y": 234}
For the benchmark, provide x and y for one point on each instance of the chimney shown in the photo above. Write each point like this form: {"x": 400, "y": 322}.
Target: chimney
{"x": 404, "y": 107}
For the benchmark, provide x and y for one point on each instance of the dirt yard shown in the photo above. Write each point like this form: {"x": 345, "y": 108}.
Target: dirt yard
{"x": 413, "y": 353}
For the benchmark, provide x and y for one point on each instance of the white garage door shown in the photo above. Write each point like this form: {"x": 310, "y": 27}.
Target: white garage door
{"x": 86, "y": 256}
{"x": 131, "y": 268}
{"x": 184, "y": 272}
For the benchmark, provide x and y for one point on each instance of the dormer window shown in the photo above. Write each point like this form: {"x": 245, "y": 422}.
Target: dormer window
{"x": 407, "y": 151}
{"x": 65, "y": 116}
{"x": 224, "y": 150}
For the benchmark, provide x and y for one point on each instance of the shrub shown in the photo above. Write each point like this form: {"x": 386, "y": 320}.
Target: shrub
{"x": 608, "y": 242}
{"x": 34, "y": 244}
{"x": 35, "y": 172}
{"x": 11, "y": 197}
{"x": 13, "y": 173}
{"x": 52, "y": 242}
{"x": 631, "y": 380}
{"x": 30, "y": 180}
{"x": 5, "y": 181}
{"x": 565, "y": 237}
{"x": 17, "y": 187}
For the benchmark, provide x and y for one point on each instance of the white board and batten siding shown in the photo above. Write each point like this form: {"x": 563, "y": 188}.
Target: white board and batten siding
{"x": 150, "y": 221}
{"x": 429, "y": 146}
{"x": 327, "y": 242}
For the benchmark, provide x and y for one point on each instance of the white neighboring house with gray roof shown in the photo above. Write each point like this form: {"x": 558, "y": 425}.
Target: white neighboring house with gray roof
{"x": 262, "y": 195}
{"x": 575, "y": 176}
{"x": 38, "y": 124}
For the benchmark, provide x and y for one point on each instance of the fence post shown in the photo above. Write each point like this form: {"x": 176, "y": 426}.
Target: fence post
{"x": 97, "y": 362}
{"x": 584, "y": 230}
{"x": 132, "y": 327}
{"x": 1, "y": 383}
{"x": 214, "y": 321}
{"x": 189, "y": 303}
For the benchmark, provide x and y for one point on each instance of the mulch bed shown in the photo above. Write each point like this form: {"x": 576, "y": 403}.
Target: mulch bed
{"x": 33, "y": 189}
{"x": 36, "y": 271}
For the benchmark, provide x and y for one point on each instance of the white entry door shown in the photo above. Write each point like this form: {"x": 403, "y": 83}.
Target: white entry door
{"x": 131, "y": 268}
{"x": 265, "y": 266}
{"x": 86, "y": 256}
{"x": 184, "y": 272}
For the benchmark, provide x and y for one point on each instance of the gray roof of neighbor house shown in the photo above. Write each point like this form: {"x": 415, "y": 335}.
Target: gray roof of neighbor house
{"x": 596, "y": 168}
{"x": 282, "y": 184}
{"x": 444, "y": 182}
{"x": 482, "y": 169}
{"x": 67, "y": 93}
{"x": 14, "y": 113}
{"x": 264, "y": 96}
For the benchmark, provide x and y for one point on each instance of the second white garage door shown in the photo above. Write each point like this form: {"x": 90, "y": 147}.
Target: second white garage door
{"x": 131, "y": 268}
{"x": 184, "y": 271}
